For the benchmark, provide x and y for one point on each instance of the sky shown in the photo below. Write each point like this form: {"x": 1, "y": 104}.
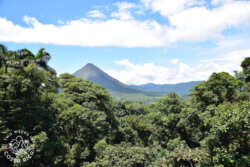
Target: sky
{"x": 135, "y": 41}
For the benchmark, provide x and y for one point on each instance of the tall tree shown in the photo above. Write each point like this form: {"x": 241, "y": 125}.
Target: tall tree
{"x": 90, "y": 118}
{"x": 227, "y": 136}
{"x": 220, "y": 87}
{"x": 5, "y": 57}
{"x": 4, "y": 54}
{"x": 246, "y": 68}
{"x": 41, "y": 58}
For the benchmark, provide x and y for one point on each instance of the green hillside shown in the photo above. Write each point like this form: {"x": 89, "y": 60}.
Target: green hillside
{"x": 182, "y": 89}
{"x": 116, "y": 88}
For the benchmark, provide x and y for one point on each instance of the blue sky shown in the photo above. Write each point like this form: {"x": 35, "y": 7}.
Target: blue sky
{"x": 137, "y": 42}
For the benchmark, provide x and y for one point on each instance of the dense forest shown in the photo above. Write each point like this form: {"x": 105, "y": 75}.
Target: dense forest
{"x": 76, "y": 123}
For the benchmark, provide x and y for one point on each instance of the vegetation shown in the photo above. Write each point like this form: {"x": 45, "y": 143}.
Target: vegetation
{"x": 82, "y": 125}
{"x": 182, "y": 89}
{"x": 146, "y": 93}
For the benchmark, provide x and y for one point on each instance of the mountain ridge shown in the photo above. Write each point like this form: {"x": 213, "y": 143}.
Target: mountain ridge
{"x": 116, "y": 88}
{"x": 182, "y": 88}
{"x": 119, "y": 90}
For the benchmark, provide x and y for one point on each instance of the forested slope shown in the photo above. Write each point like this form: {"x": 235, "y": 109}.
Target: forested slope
{"x": 117, "y": 89}
{"x": 182, "y": 89}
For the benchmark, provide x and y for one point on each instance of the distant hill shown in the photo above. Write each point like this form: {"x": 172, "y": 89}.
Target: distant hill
{"x": 116, "y": 88}
{"x": 180, "y": 88}
{"x": 147, "y": 92}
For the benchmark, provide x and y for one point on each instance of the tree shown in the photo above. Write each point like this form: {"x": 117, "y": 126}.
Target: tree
{"x": 135, "y": 129}
{"x": 171, "y": 104}
{"x": 227, "y": 140}
{"x": 246, "y": 68}
{"x": 26, "y": 98}
{"x": 3, "y": 94}
{"x": 90, "y": 119}
{"x": 124, "y": 154}
{"x": 26, "y": 57}
{"x": 190, "y": 127}
{"x": 182, "y": 156}
{"x": 4, "y": 56}
{"x": 220, "y": 87}
{"x": 124, "y": 108}
{"x": 41, "y": 58}
{"x": 164, "y": 117}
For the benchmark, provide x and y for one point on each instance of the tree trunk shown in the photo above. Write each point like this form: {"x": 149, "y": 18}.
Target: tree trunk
{"x": 6, "y": 68}
{"x": 5, "y": 88}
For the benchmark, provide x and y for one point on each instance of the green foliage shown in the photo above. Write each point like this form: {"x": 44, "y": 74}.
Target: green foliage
{"x": 182, "y": 156}
{"x": 228, "y": 138}
{"x": 28, "y": 92}
{"x": 124, "y": 154}
{"x": 220, "y": 87}
{"x": 89, "y": 120}
{"x": 181, "y": 89}
{"x": 83, "y": 126}
{"x": 190, "y": 127}
{"x": 26, "y": 95}
{"x": 124, "y": 108}
{"x": 164, "y": 117}
{"x": 246, "y": 68}
{"x": 171, "y": 104}
{"x": 135, "y": 129}
{"x": 134, "y": 97}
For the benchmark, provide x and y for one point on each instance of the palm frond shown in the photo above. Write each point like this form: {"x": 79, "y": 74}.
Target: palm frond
{"x": 0, "y": 61}
{"x": 3, "y": 49}
{"x": 51, "y": 70}
{"x": 24, "y": 54}
{"x": 40, "y": 53}
{"x": 43, "y": 56}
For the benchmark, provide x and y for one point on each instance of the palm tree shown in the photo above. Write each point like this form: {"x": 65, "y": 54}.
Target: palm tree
{"x": 41, "y": 58}
{"x": 4, "y": 58}
{"x": 26, "y": 57}
{"x": 4, "y": 55}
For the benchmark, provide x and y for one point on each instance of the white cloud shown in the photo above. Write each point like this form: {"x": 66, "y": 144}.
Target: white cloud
{"x": 124, "y": 11}
{"x": 189, "y": 20}
{"x": 125, "y": 63}
{"x": 229, "y": 61}
{"x": 152, "y": 73}
{"x": 170, "y": 7}
{"x": 84, "y": 32}
{"x": 220, "y": 2}
{"x": 95, "y": 14}
{"x": 228, "y": 44}
{"x": 200, "y": 23}
{"x": 235, "y": 42}
{"x": 174, "y": 61}
{"x": 60, "y": 22}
